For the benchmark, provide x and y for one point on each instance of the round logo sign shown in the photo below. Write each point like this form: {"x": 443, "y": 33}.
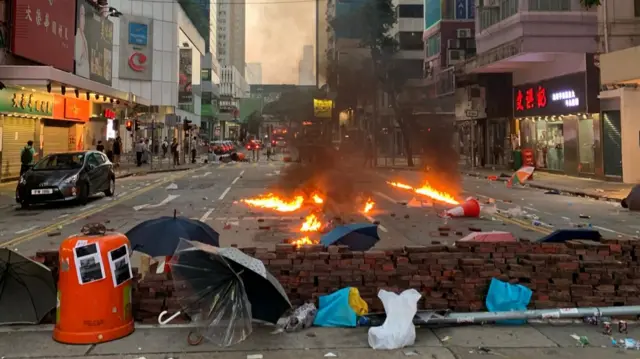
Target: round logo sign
{"x": 138, "y": 62}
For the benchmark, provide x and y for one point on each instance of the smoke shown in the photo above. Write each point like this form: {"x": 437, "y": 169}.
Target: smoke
{"x": 276, "y": 32}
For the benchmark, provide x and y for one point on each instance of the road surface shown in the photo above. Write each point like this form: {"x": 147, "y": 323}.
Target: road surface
{"x": 212, "y": 193}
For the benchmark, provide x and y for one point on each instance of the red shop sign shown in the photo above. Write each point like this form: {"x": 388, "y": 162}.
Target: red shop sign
{"x": 530, "y": 98}
{"x": 43, "y": 31}
{"x": 138, "y": 62}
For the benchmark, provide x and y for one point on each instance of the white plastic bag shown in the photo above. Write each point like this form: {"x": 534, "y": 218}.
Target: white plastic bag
{"x": 398, "y": 330}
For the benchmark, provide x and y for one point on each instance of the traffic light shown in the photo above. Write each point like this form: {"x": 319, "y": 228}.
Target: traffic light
{"x": 129, "y": 125}
{"x": 137, "y": 123}
{"x": 186, "y": 125}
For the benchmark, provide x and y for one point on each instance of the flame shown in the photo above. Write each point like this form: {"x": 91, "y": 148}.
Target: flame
{"x": 271, "y": 201}
{"x": 304, "y": 241}
{"x": 317, "y": 199}
{"x": 311, "y": 224}
{"x": 368, "y": 206}
{"x": 427, "y": 190}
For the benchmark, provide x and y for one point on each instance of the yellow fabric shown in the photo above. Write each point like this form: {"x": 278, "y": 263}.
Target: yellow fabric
{"x": 357, "y": 303}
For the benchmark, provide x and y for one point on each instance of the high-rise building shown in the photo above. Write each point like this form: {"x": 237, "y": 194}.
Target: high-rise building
{"x": 253, "y": 73}
{"x": 230, "y": 33}
{"x": 306, "y": 76}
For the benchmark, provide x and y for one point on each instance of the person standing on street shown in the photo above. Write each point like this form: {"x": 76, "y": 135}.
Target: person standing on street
{"x": 175, "y": 152}
{"x": 109, "y": 149}
{"x": 165, "y": 147}
{"x": 100, "y": 147}
{"x": 117, "y": 151}
{"x": 27, "y": 155}
{"x": 368, "y": 153}
{"x": 139, "y": 152}
{"x": 194, "y": 144}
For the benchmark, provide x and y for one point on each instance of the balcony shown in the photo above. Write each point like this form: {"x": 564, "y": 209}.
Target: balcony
{"x": 524, "y": 27}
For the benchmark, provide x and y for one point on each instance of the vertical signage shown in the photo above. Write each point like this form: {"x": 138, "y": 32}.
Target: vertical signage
{"x": 471, "y": 9}
{"x": 461, "y": 9}
{"x": 185, "y": 93}
{"x": 136, "y": 48}
{"x": 93, "y": 45}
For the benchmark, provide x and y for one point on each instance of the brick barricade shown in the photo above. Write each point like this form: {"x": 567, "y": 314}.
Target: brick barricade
{"x": 578, "y": 273}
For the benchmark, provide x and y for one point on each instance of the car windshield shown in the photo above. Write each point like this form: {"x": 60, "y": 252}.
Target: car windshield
{"x": 60, "y": 161}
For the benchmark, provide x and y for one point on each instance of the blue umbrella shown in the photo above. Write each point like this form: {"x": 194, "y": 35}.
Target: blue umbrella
{"x": 357, "y": 236}
{"x": 160, "y": 237}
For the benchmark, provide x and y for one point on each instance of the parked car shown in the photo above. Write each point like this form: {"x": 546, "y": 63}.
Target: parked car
{"x": 62, "y": 177}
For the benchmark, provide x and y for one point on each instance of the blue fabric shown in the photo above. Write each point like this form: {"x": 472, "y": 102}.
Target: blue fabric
{"x": 357, "y": 236}
{"x": 334, "y": 310}
{"x": 506, "y": 297}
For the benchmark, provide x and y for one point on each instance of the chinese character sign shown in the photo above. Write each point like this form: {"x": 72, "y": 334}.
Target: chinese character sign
{"x": 185, "y": 93}
{"x": 530, "y": 98}
{"x": 43, "y": 31}
{"x": 556, "y": 96}
{"x": 93, "y": 44}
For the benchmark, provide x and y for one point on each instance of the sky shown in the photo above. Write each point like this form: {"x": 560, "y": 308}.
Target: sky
{"x": 276, "y": 32}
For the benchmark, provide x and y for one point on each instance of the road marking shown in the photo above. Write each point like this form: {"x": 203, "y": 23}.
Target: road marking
{"x": 142, "y": 206}
{"x": 206, "y": 215}
{"x": 27, "y": 230}
{"x": 380, "y": 194}
{"x": 206, "y": 174}
{"x": 235, "y": 180}
{"x": 241, "y": 173}
{"x": 169, "y": 198}
{"x": 85, "y": 214}
{"x": 616, "y": 232}
{"x": 224, "y": 193}
{"x": 530, "y": 209}
{"x": 371, "y": 219}
{"x": 253, "y": 218}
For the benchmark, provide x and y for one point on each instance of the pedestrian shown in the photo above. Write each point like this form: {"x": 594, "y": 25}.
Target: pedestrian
{"x": 146, "y": 151}
{"x": 117, "y": 151}
{"x": 109, "y": 149}
{"x": 100, "y": 147}
{"x": 194, "y": 144}
{"x": 368, "y": 153}
{"x": 27, "y": 155}
{"x": 165, "y": 147}
{"x": 139, "y": 152}
{"x": 175, "y": 151}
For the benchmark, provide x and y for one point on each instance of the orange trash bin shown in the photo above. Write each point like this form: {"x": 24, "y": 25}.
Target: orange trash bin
{"x": 94, "y": 288}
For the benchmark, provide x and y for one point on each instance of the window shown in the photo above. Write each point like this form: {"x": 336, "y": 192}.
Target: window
{"x": 636, "y": 8}
{"x": 490, "y": 16}
{"x": 92, "y": 160}
{"x": 411, "y": 11}
{"x": 549, "y": 5}
{"x": 433, "y": 45}
{"x": 410, "y": 40}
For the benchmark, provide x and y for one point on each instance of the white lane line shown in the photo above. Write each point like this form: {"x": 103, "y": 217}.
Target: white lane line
{"x": 615, "y": 232}
{"x": 206, "y": 174}
{"x": 382, "y": 228}
{"x": 206, "y": 215}
{"x": 27, "y": 230}
{"x": 380, "y": 194}
{"x": 142, "y": 206}
{"x": 241, "y": 173}
{"x": 531, "y": 209}
{"x": 62, "y": 216}
{"x": 235, "y": 180}
{"x": 169, "y": 198}
{"x": 224, "y": 193}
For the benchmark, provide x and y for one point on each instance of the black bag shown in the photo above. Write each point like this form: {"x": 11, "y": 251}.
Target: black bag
{"x": 26, "y": 156}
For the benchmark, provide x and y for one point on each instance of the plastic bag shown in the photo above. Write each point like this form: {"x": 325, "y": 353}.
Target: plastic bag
{"x": 357, "y": 303}
{"x": 301, "y": 318}
{"x": 334, "y": 310}
{"x": 398, "y": 330}
{"x": 507, "y": 297}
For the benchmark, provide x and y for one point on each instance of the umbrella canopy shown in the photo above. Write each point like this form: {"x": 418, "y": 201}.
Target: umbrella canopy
{"x": 225, "y": 280}
{"x": 357, "y": 236}
{"x": 27, "y": 289}
{"x": 161, "y": 236}
{"x": 495, "y": 236}
{"x": 521, "y": 175}
{"x": 632, "y": 201}
{"x": 563, "y": 235}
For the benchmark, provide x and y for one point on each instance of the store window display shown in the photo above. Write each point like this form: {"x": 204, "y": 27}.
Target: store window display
{"x": 549, "y": 145}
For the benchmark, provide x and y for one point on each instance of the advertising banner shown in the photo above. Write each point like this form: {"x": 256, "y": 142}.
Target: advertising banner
{"x": 136, "y": 48}
{"x": 26, "y": 102}
{"x": 552, "y": 97}
{"x": 93, "y": 45}
{"x": 43, "y": 31}
{"x": 185, "y": 93}
{"x": 322, "y": 108}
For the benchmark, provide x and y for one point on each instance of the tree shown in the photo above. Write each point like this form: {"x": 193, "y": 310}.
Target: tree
{"x": 254, "y": 121}
{"x": 294, "y": 105}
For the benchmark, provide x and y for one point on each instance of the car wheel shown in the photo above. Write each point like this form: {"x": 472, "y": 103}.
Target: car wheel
{"x": 112, "y": 188}
{"x": 83, "y": 193}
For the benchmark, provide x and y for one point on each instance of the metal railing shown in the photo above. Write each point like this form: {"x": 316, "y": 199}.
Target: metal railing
{"x": 549, "y": 5}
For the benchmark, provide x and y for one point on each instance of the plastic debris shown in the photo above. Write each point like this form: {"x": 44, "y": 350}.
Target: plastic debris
{"x": 447, "y": 338}
{"x": 411, "y": 353}
{"x": 172, "y": 186}
{"x": 537, "y": 223}
{"x": 584, "y": 216}
{"x": 581, "y": 339}
{"x": 330, "y": 355}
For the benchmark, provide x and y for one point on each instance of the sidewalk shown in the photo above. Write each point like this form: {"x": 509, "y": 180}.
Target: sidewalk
{"x": 578, "y": 186}
{"x": 129, "y": 168}
{"x": 539, "y": 341}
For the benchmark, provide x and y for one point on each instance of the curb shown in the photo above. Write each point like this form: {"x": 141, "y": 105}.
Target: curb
{"x": 165, "y": 170}
{"x": 530, "y": 184}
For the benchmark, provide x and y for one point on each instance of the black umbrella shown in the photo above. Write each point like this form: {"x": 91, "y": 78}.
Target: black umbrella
{"x": 222, "y": 289}
{"x": 27, "y": 289}
{"x": 160, "y": 237}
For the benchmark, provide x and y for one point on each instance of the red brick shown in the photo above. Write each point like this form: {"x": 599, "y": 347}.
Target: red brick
{"x": 285, "y": 248}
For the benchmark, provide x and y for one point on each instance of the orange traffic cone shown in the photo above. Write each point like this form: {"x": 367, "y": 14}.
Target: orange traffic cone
{"x": 469, "y": 208}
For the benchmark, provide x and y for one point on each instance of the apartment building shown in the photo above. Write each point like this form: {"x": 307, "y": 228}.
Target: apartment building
{"x": 231, "y": 34}
{"x": 253, "y": 73}
{"x": 306, "y": 76}
{"x": 233, "y": 87}
{"x": 534, "y": 74}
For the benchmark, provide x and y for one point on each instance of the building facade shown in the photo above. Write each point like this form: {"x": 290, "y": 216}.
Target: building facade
{"x": 306, "y": 76}
{"x": 253, "y": 73}
{"x": 538, "y": 56}
{"x": 233, "y": 87}
{"x": 231, "y": 34}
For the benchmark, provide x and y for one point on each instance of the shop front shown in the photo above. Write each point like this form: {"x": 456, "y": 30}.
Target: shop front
{"x": 559, "y": 123}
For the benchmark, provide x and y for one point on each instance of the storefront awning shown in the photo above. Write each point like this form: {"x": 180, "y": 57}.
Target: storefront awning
{"x": 42, "y": 75}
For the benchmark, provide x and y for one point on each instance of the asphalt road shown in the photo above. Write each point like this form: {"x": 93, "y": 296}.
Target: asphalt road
{"x": 212, "y": 193}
